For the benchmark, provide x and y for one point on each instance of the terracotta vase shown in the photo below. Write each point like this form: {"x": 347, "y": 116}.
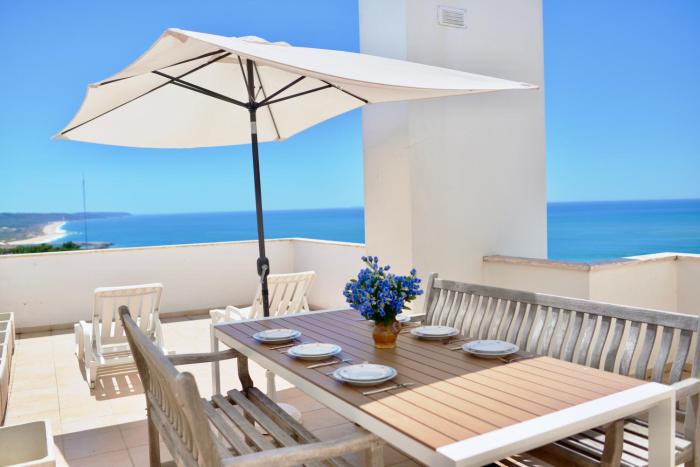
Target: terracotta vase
{"x": 385, "y": 335}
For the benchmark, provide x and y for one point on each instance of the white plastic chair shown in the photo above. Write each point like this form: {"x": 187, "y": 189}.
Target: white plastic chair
{"x": 287, "y": 295}
{"x": 103, "y": 342}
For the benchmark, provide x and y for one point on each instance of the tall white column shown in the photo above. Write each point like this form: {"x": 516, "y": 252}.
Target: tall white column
{"x": 450, "y": 180}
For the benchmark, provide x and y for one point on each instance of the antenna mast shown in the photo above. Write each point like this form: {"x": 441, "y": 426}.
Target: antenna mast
{"x": 85, "y": 229}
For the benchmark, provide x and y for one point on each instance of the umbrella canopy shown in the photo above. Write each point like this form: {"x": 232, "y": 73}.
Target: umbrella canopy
{"x": 193, "y": 89}
{"x": 179, "y": 93}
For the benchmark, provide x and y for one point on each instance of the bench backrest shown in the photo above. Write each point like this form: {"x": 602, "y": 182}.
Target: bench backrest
{"x": 639, "y": 342}
{"x": 173, "y": 399}
{"x": 143, "y": 302}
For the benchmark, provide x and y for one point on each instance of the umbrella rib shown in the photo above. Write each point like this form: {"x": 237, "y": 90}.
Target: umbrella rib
{"x": 193, "y": 87}
{"x": 145, "y": 93}
{"x": 269, "y": 109}
{"x": 346, "y": 92}
{"x": 167, "y": 66}
{"x": 309, "y": 91}
{"x": 279, "y": 91}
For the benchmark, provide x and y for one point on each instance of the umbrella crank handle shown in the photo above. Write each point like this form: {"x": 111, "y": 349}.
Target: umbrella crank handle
{"x": 263, "y": 268}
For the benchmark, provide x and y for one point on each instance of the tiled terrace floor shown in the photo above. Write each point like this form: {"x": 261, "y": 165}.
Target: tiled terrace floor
{"x": 106, "y": 426}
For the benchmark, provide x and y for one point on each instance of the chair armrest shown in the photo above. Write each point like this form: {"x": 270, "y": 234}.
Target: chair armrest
{"x": 307, "y": 453}
{"x": 417, "y": 318}
{"x": 231, "y": 313}
{"x": 191, "y": 358}
{"x": 686, "y": 387}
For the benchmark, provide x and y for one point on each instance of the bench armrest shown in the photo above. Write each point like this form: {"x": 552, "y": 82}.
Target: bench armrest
{"x": 308, "y": 453}
{"x": 686, "y": 387}
{"x": 191, "y": 358}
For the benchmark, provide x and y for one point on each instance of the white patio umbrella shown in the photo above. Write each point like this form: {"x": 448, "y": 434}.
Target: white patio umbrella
{"x": 193, "y": 89}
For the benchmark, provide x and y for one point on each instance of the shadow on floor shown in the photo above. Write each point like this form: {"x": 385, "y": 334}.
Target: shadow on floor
{"x": 116, "y": 382}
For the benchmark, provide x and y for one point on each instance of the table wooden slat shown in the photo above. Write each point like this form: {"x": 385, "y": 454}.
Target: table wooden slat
{"x": 454, "y": 396}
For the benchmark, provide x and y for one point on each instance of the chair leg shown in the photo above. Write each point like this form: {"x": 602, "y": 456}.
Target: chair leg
{"x": 271, "y": 386}
{"x": 92, "y": 376}
{"x": 153, "y": 441}
{"x": 374, "y": 456}
{"x": 614, "y": 438}
{"x": 78, "y": 341}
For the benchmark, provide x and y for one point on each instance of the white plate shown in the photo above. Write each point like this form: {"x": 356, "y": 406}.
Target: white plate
{"x": 277, "y": 335}
{"x": 365, "y": 374}
{"x": 402, "y": 318}
{"x": 314, "y": 351}
{"x": 490, "y": 348}
{"x": 434, "y": 332}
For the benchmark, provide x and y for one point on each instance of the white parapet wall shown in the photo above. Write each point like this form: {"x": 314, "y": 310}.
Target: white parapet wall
{"x": 55, "y": 289}
{"x": 667, "y": 281}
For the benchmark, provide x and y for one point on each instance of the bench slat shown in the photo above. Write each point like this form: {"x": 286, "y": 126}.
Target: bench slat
{"x": 614, "y": 348}
{"x": 237, "y": 418}
{"x": 645, "y": 353}
{"x": 599, "y": 342}
{"x": 681, "y": 356}
{"x": 573, "y": 335}
{"x": 226, "y": 431}
{"x": 662, "y": 355}
{"x": 631, "y": 344}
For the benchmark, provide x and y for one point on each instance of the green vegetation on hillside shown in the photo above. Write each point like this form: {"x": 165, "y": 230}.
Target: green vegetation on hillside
{"x": 43, "y": 248}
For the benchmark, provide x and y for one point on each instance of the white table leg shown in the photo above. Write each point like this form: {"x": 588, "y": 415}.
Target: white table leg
{"x": 662, "y": 431}
{"x": 215, "y": 369}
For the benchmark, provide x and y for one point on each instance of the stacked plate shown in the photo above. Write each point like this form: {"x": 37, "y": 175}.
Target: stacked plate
{"x": 490, "y": 348}
{"x": 434, "y": 332}
{"x": 314, "y": 351}
{"x": 276, "y": 336}
{"x": 365, "y": 374}
{"x": 403, "y": 318}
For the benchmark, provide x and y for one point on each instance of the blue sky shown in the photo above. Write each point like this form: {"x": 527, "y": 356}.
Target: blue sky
{"x": 622, "y": 106}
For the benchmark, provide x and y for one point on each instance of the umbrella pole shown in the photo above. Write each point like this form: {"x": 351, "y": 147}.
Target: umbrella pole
{"x": 263, "y": 263}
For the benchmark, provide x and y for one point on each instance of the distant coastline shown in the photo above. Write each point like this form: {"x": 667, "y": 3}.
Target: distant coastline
{"x": 50, "y": 233}
{"x": 18, "y": 228}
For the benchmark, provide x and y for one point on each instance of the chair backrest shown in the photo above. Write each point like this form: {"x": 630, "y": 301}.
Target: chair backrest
{"x": 287, "y": 294}
{"x": 174, "y": 401}
{"x": 143, "y": 302}
{"x": 639, "y": 342}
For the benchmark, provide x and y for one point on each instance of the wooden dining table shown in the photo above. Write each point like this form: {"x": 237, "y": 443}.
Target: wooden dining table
{"x": 457, "y": 409}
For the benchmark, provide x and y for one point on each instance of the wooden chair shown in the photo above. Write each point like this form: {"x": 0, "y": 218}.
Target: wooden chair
{"x": 221, "y": 431}
{"x": 287, "y": 295}
{"x": 102, "y": 343}
{"x": 647, "y": 344}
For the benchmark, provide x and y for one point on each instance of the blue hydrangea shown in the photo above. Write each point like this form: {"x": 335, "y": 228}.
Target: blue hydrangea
{"x": 378, "y": 294}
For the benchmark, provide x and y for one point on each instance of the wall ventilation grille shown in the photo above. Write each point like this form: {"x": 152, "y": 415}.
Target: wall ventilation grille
{"x": 451, "y": 17}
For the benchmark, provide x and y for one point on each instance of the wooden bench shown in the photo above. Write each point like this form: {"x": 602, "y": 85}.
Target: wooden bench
{"x": 647, "y": 344}
{"x": 222, "y": 431}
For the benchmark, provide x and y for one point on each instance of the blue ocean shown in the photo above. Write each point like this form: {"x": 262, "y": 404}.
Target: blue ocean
{"x": 581, "y": 231}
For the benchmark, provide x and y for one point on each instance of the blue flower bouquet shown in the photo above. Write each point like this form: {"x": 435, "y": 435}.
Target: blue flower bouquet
{"x": 380, "y": 295}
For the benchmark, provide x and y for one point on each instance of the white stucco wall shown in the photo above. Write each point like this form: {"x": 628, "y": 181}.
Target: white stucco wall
{"x": 551, "y": 279}
{"x": 649, "y": 284}
{"x": 665, "y": 281}
{"x": 56, "y": 288}
{"x": 334, "y": 262}
{"x": 688, "y": 283}
{"x": 448, "y": 181}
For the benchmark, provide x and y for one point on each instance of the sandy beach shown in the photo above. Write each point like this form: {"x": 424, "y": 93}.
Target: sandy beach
{"x": 51, "y": 232}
